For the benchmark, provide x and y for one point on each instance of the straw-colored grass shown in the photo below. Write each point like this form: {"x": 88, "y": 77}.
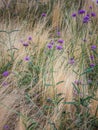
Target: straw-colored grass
{"x": 28, "y": 98}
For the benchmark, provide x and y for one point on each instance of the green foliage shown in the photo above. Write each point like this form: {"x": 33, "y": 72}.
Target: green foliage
{"x": 25, "y": 79}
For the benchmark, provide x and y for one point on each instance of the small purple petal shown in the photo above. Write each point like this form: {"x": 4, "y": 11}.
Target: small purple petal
{"x": 77, "y": 82}
{"x": 51, "y": 43}
{"x": 6, "y": 127}
{"x": 75, "y": 92}
{"x": 5, "y": 74}
{"x": 27, "y": 58}
{"x": 81, "y": 11}
{"x": 71, "y": 61}
{"x": 43, "y": 15}
{"x": 5, "y": 84}
{"x": 86, "y": 19}
{"x": 93, "y": 47}
{"x": 58, "y": 33}
{"x": 60, "y": 41}
{"x": 74, "y": 15}
{"x": 29, "y": 38}
{"x": 59, "y": 47}
{"x": 90, "y": 7}
{"x": 25, "y": 44}
{"x": 92, "y": 65}
{"x": 49, "y": 46}
{"x": 93, "y": 14}
{"x": 92, "y": 57}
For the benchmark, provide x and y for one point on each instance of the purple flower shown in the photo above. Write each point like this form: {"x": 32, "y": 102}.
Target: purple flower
{"x": 86, "y": 19}
{"x": 97, "y": 1}
{"x": 88, "y": 15}
{"x": 29, "y": 38}
{"x": 60, "y": 41}
{"x": 48, "y": 100}
{"x": 27, "y": 58}
{"x": 93, "y": 14}
{"x": 89, "y": 81}
{"x": 5, "y": 73}
{"x": 92, "y": 57}
{"x": 25, "y": 44}
{"x": 90, "y": 7}
{"x": 93, "y": 47}
{"x": 92, "y": 65}
{"x": 6, "y": 127}
{"x": 74, "y": 15}
{"x": 75, "y": 92}
{"x": 58, "y": 33}
{"x": 5, "y": 84}
{"x": 49, "y": 46}
{"x": 77, "y": 82}
{"x": 52, "y": 43}
{"x": 81, "y": 11}
{"x": 59, "y": 47}
{"x": 43, "y": 15}
{"x": 84, "y": 40}
{"x": 71, "y": 61}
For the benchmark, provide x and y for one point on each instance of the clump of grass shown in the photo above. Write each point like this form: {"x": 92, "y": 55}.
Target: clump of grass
{"x": 57, "y": 69}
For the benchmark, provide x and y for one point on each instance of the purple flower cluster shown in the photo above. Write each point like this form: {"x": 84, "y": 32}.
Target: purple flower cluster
{"x": 82, "y": 11}
{"x": 87, "y": 17}
{"x": 58, "y": 47}
{"x": 26, "y": 44}
{"x": 50, "y": 45}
